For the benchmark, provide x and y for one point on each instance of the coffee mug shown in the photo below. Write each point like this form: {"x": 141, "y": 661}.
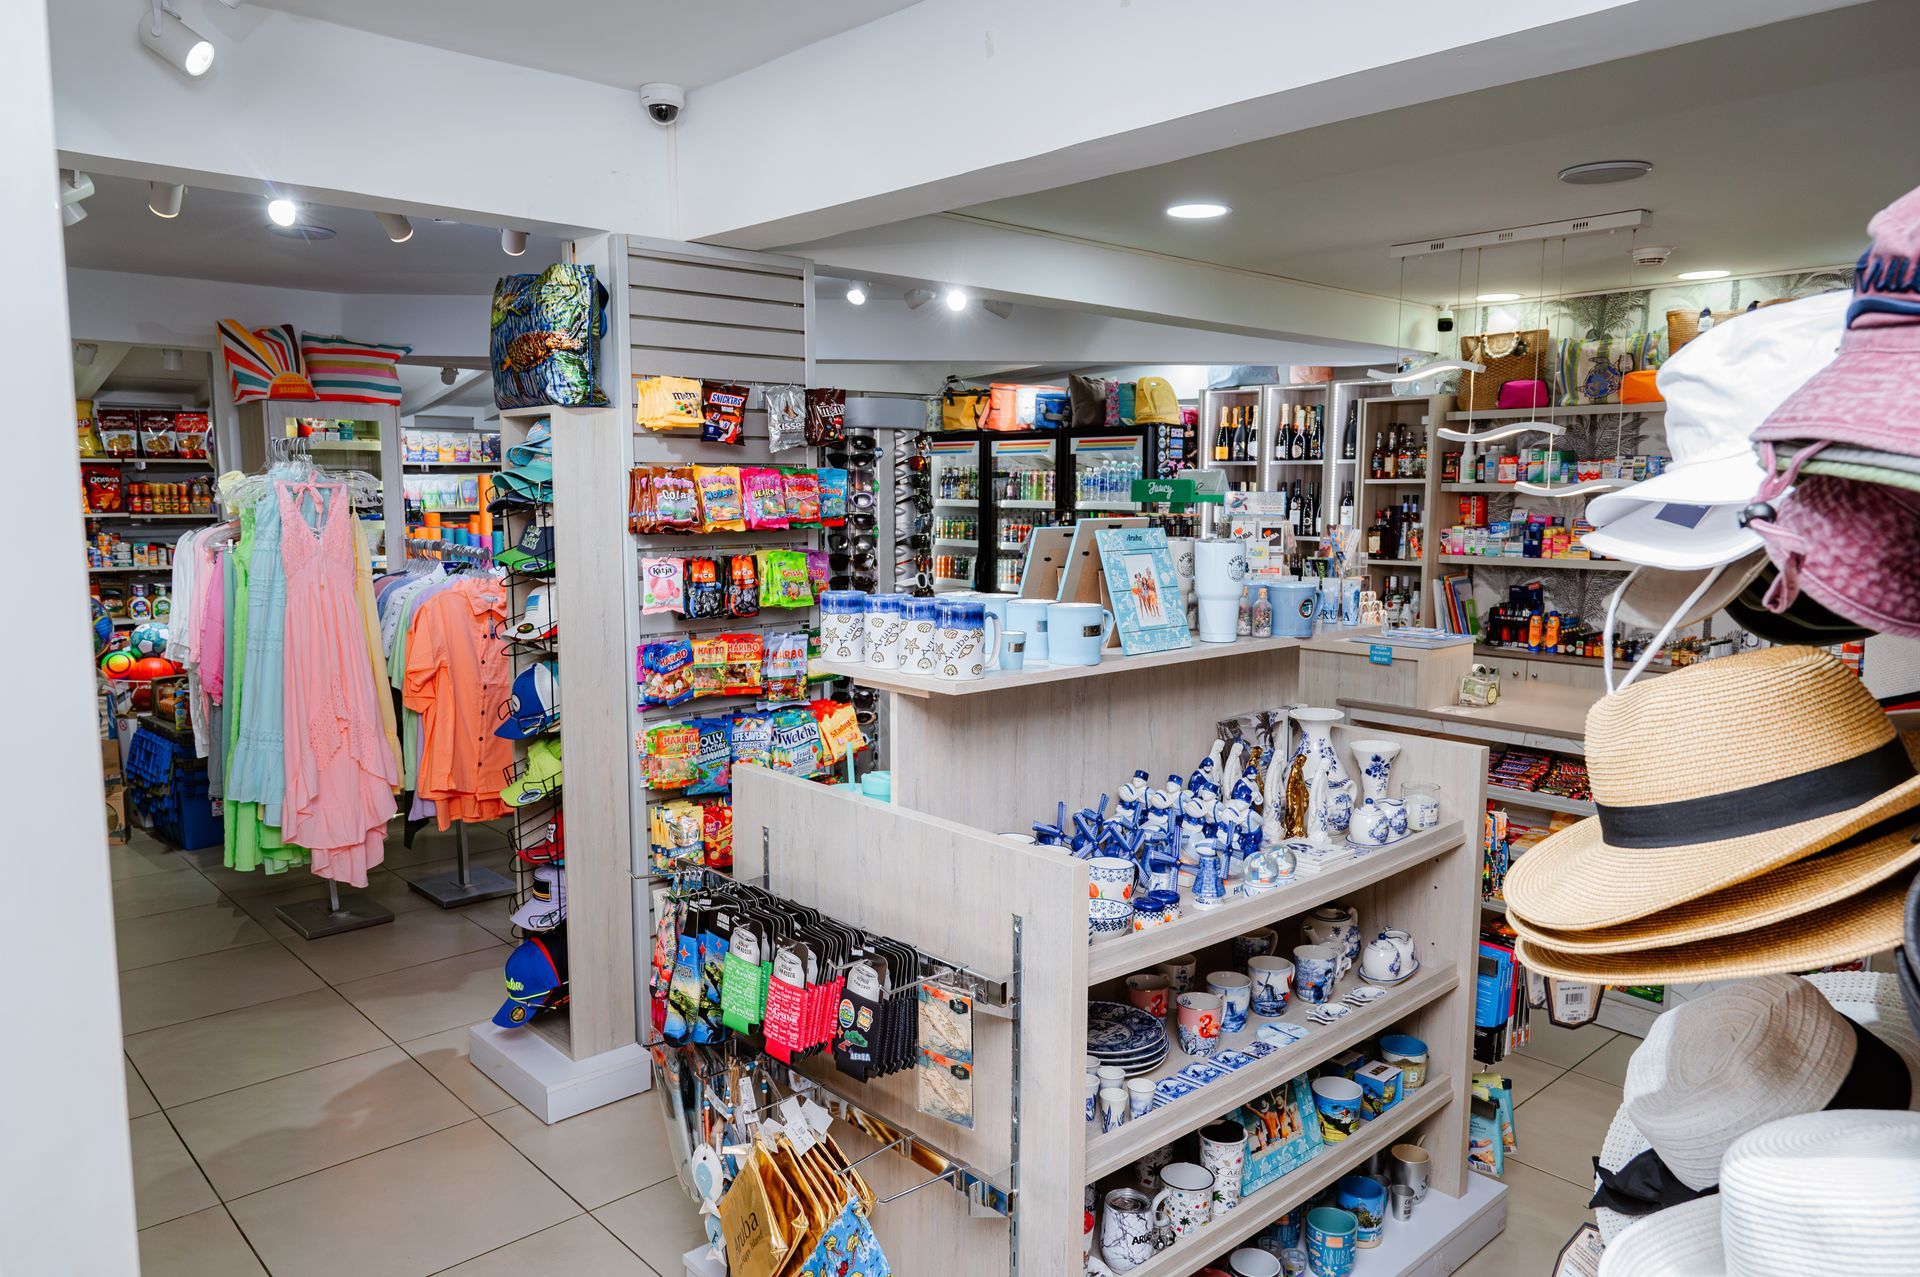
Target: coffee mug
{"x": 1366, "y": 1200}
{"x": 1330, "y": 1241}
{"x": 1250, "y": 1261}
{"x": 1272, "y": 981}
{"x": 1149, "y": 992}
{"x": 967, "y": 632}
{"x": 1029, "y": 616}
{"x": 1223, "y": 1151}
{"x": 1184, "y": 1202}
{"x": 1199, "y": 1021}
{"x": 1396, "y": 810}
{"x": 843, "y": 626}
{"x": 1076, "y": 632}
{"x": 1146, "y": 1171}
{"x": 919, "y": 645}
{"x": 1126, "y": 1230}
{"x": 1338, "y": 1100}
{"x": 1410, "y": 1053}
{"x": 886, "y": 630}
{"x": 1255, "y": 945}
{"x": 1313, "y": 972}
{"x": 1110, "y": 878}
{"x": 1179, "y": 972}
{"x": 1295, "y": 605}
{"x": 1410, "y": 1168}
{"x": 1235, "y": 992}
{"x": 1013, "y": 649}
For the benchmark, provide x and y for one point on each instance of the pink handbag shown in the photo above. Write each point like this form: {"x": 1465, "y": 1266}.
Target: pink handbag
{"x": 1524, "y": 394}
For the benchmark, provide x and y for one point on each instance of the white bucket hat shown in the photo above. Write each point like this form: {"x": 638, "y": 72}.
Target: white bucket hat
{"x": 1719, "y": 389}
{"x": 1835, "y": 1192}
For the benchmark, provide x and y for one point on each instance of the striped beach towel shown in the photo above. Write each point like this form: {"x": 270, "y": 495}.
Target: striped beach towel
{"x": 348, "y": 371}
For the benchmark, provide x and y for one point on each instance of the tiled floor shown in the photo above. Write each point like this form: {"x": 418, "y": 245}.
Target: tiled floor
{"x": 307, "y": 1107}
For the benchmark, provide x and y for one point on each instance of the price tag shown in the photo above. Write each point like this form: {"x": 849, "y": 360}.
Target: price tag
{"x": 1379, "y": 654}
{"x": 1580, "y": 1257}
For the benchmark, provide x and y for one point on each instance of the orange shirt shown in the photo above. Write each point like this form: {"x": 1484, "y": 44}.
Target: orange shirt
{"x": 458, "y": 678}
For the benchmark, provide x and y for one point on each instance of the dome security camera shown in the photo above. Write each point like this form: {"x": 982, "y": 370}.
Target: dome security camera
{"x": 664, "y": 102}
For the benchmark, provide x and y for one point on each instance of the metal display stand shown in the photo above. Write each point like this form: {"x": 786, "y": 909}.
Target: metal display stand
{"x": 334, "y": 915}
{"x": 466, "y": 882}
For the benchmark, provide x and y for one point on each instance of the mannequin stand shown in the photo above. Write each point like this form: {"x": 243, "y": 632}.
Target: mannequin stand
{"x": 465, "y": 883}
{"x": 337, "y": 913}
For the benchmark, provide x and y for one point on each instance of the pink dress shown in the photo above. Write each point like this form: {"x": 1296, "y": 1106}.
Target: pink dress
{"x": 340, "y": 772}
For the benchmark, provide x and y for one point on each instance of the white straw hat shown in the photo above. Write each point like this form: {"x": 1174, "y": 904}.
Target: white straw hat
{"x": 1834, "y": 1192}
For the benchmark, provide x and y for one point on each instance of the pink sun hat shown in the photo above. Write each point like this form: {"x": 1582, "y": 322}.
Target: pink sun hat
{"x": 1869, "y": 396}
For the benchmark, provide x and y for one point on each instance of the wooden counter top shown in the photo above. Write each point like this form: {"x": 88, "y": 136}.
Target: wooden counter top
{"x": 1542, "y": 709}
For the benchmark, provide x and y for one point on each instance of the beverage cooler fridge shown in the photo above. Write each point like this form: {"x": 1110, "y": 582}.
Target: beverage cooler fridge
{"x": 992, "y": 490}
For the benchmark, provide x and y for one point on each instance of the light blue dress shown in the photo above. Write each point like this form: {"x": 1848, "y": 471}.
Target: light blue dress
{"x": 259, "y": 770}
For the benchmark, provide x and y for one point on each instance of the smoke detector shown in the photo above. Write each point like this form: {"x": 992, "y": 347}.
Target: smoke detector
{"x": 1651, "y": 254}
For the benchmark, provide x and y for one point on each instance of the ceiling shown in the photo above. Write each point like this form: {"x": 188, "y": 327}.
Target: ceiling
{"x": 625, "y": 43}
{"x": 221, "y": 235}
{"x": 1771, "y": 148}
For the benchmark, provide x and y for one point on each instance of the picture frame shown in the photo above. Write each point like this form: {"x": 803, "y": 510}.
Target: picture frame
{"x": 1148, "y": 614}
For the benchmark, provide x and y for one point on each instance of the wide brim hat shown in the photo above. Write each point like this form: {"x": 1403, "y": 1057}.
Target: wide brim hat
{"x": 1652, "y": 595}
{"x": 1679, "y": 535}
{"x": 1822, "y": 1192}
{"x": 1805, "y": 620}
{"x": 1712, "y": 775}
{"x": 1851, "y": 546}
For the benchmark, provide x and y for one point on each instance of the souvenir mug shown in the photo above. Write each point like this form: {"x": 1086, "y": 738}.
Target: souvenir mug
{"x": 1110, "y": 877}
{"x": 1272, "y": 980}
{"x": 996, "y": 607}
{"x": 1257, "y": 944}
{"x": 1013, "y": 649}
{"x": 886, "y": 630}
{"x": 1209, "y": 876}
{"x": 1184, "y": 1202}
{"x": 1252, "y": 1261}
{"x": 1411, "y": 1168}
{"x": 1295, "y": 605}
{"x": 1366, "y": 1199}
{"x": 1223, "y": 1151}
{"x": 1339, "y": 1101}
{"x": 1179, "y": 972}
{"x": 1313, "y": 972}
{"x": 919, "y": 648}
{"x": 1422, "y": 798}
{"x": 1149, "y": 992}
{"x": 1199, "y": 1021}
{"x": 1076, "y": 632}
{"x": 1029, "y": 616}
{"x": 1331, "y": 1233}
{"x": 967, "y": 633}
{"x": 843, "y": 626}
{"x": 1126, "y": 1230}
{"x": 1219, "y": 573}
{"x": 1374, "y": 758}
{"x": 1235, "y": 992}
{"x": 1146, "y": 1171}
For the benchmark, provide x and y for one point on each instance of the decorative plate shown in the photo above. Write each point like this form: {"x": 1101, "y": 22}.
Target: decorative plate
{"x": 1119, "y": 1028}
{"x": 1402, "y": 979}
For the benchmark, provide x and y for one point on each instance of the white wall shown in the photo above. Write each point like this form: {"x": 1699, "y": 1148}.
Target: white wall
{"x": 66, "y": 1177}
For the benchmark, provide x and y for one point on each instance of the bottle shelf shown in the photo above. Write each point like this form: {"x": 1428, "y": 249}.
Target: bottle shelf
{"x": 1521, "y": 561}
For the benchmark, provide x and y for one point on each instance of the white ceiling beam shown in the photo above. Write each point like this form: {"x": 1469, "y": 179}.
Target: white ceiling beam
{"x": 950, "y": 103}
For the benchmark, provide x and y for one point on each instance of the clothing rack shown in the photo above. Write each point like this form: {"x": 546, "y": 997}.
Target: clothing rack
{"x": 466, "y": 882}
{"x": 339, "y": 912}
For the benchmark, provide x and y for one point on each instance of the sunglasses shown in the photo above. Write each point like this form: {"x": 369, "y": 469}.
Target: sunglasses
{"x": 837, "y": 540}
{"x": 860, "y": 522}
{"x": 860, "y": 502}
{"x": 916, "y": 463}
{"x": 918, "y": 541}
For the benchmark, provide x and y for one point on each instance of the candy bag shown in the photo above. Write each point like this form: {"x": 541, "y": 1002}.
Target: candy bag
{"x": 786, "y": 417}
{"x": 753, "y": 738}
{"x": 724, "y": 420}
{"x": 666, "y": 403}
{"x": 784, "y": 667}
{"x": 640, "y": 517}
{"x": 783, "y": 579}
{"x": 663, "y": 672}
{"x": 719, "y": 489}
{"x": 801, "y": 488}
{"x": 826, "y": 416}
{"x": 796, "y": 743}
{"x": 713, "y": 759}
{"x": 817, "y": 570}
{"x": 710, "y": 665}
{"x": 745, "y": 653}
{"x": 833, "y": 497}
{"x": 705, "y": 598}
{"x": 764, "y": 497}
{"x": 840, "y": 732}
{"x": 743, "y": 586}
{"x": 663, "y": 585}
{"x": 676, "y": 501}
{"x": 670, "y": 752}
{"x": 717, "y": 835}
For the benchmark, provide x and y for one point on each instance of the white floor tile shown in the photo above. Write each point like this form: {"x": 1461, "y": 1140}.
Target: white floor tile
{"x": 581, "y": 1247}
{"x": 140, "y": 1101}
{"x": 203, "y": 1244}
{"x": 297, "y": 888}
{"x": 1609, "y": 1063}
{"x": 423, "y": 935}
{"x": 660, "y": 1224}
{"x": 161, "y": 893}
{"x": 187, "y": 1062}
{"x": 1542, "y": 1213}
{"x": 173, "y": 992}
{"x": 1527, "y": 1075}
{"x": 166, "y": 1183}
{"x": 439, "y": 995}
{"x": 1551, "y": 1044}
{"x": 183, "y": 933}
{"x": 444, "y": 1054}
{"x": 138, "y": 860}
{"x": 414, "y": 1209}
{"x": 598, "y": 1156}
{"x": 1562, "y": 1128}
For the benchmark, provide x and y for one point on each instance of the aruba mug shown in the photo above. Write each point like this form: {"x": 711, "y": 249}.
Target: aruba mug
{"x": 966, "y": 633}
{"x": 919, "y": 645}
{"x": 1331, "y": 1233}
{"x": 1029, "y": 616}
{"x": 1126, "y": 1230}
{"x": 1366, "y": 1199}
{"x": 1076, "y": 632}
{"x": 886, "y": 630}
{"x": 843, "y": 626}
{"x": 1223, "y": 1151}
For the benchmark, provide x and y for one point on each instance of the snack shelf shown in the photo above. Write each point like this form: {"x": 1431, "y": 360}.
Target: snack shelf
{"x": 1539, "y": 801}
{"x": 120, "y": 571}
{"x": 141, "y": 463}
{"x": 1139, "y": 1136}
{"x": 1258, "y": 1209}
{"x": 129, "y": 516}
{"x": 1198, "y": 928}
{"x": 1521, "y": 561}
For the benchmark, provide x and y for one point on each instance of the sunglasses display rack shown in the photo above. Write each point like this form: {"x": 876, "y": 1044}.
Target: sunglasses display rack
{"x": 933, "y": 868}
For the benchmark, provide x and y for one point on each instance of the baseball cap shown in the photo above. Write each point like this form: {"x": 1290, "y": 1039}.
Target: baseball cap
{"x": 1719, "y": 388}
{"x": 537, "y": 444}
{"x": 545, "y": 843}
{"x": 546, "y": 906}
{"x": 533, "y": 707}
{"x": 541, "y": 777}
{"x": 533, "y": 553}
{"x": 536, "y": 976}
{"x": 540, "y": 619}
{"x": 1865, "y": 395}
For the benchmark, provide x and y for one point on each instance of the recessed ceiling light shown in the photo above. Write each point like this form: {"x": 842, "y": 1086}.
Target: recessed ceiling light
{"x": 283, "y": 212}
{"x": 1601, "y": 172}
{"x": 1198, "y": 210}
{"x": 1498, "y": 297}
{"x": 856, "y": 293}
{"x": 956, "y": 300}
{"x": 1703, "y": 274}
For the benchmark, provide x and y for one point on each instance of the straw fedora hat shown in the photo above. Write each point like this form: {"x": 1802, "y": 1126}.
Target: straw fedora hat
{"x": 1867, "y": 998}
{"x": 1834, "y": 1192}
{"x": 1713, "y": 775}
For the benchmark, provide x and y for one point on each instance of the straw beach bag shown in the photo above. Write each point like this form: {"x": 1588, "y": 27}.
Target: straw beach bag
{"x": 1515, "y": 356}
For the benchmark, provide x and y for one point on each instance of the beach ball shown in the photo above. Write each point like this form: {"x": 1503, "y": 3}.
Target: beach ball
{"x": 149, "y": 639}
{"x": 148, "y": 668}
{"x": 118, "y": 663}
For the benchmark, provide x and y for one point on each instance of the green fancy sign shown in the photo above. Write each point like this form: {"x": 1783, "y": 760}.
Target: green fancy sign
{"x": 1171, "y": 492}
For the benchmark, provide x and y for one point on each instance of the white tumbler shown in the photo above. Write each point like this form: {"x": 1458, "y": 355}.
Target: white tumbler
{"x": 1219, "y": 572}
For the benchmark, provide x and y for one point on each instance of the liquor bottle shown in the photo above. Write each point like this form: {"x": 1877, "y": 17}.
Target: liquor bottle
{"x": 1349, "y": 438}
{"x": 1375, "y": 463}
{"x": 1402, "y": 457}
{"x": 1317, "y": 444}
{"x": 1346, "y": 504}
{"x": 1420, "y": 460}
{"x": 1281, "y": 428}
{"x": 1376, "y": 534}
{"x": 1294, "y": 501}
{"x": 1243, "y": 437}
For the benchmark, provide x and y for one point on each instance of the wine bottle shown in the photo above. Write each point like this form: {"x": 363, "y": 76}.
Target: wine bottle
{"x": 1346, "y": 505}
{"x": 1349, "y": 437}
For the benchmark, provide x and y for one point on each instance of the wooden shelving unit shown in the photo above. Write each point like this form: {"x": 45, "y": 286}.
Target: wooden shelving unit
{"x": 1552, "y": 414}
{"x": 1519, "y": 561}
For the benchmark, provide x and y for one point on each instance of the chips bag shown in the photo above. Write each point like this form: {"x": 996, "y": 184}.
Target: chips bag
{"x": 764, "y": 497}
{"x": 719, "y": 491}
{"x": 663, "y": 585}
{"x": 106, "y": 489}
{"x": 786, "y": 417}
{"x": 663, "y": 672}
{"x": 725, "y": 415}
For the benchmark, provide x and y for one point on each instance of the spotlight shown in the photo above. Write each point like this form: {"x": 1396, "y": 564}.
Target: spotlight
{"x": 72, "y": 214}
{"x": 163, "y": 198}
{"x": 918, "y": 297}
{"x": 83, "y": 353}
{"x": 397, "y": 227}
{"x": 998, "y": 309}
{"x": 174, "y": 42}
{"x": 956, "y": 300}
{"x": 513, "y": 243}
{"x": 448, "y": 376}
{"x": 170, "y": 360}
{"x": 856, "y": 293}
{"x": 74, "y": 187}
{"x": 283, "y": 212}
